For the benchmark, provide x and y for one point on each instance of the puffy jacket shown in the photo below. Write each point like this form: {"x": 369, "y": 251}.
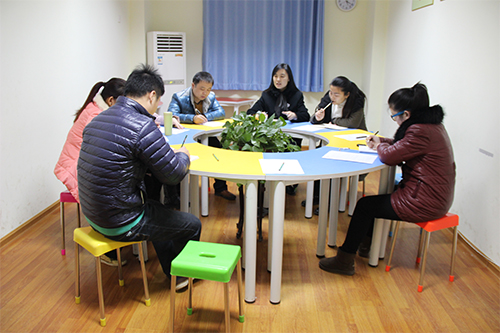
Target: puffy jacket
{"x": 427, "y": 188}
{"x": 118, "y": 146}
{"x": 182, "y": 106}
{"x": 295, "y": 101}
{"x": 65, "y": 169}
{"x": 355, "y": 120}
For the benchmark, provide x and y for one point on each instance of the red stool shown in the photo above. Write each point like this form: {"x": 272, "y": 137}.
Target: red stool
{"x": 448, "y": 221}
{"x": 66, "y": 197}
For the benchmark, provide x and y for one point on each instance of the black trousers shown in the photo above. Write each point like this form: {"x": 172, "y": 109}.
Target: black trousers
{"x": 367, "y": 210}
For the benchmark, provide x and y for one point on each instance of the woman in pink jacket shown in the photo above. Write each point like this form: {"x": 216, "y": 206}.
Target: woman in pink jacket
{"x": 95, "y": 103}
{"x": 423, "y": 149}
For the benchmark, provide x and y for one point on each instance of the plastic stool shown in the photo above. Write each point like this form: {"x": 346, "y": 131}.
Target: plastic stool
{"x": 98, "y": 245}
{"x": 67, "y": 197}
{"x": 207, "y": 261}
{"x": 448, "y": 221}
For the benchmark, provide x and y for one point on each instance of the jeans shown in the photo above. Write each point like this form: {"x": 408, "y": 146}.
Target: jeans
{"x": 367, "y": 210}
{"x": 169, "y": 231}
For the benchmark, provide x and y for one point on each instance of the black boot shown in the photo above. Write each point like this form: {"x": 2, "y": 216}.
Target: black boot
{"x": 364, "y": 247}
{"x": 343, "y": 263}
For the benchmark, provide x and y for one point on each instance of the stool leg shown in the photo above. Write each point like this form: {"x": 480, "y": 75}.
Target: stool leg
{"x": 78, "y": 214}
{"x": 453, "y": 253}
{"x": 393, "y": 244}
{"x": 99, "y": 290}
{"x": 172, "y": 302}
{"x": 226, "y": 306}
{"x": 420, "y": 246}
{"x": 120, "y": 271}
{"x": 427, "y": 236}
{"x": 240, "y": 292}
{"x": 190, "y": 296}
{"x": 144, "y": 276}
{"x": 77, "y": 273}
{"x": 61, "y": 211}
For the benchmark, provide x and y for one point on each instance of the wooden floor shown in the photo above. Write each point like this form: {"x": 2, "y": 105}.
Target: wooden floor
{"x": 37, "y": 285}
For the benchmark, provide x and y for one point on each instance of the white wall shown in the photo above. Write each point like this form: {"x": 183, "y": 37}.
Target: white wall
{"x": 52, "y": 53}
{"x": 453, "y": 48}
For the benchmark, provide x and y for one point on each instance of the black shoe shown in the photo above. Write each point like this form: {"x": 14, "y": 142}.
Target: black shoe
{"x": 316, "y": 211}
{"x": 291, "y": 189}
{"x": 315, "y": 202}
{"x": 364, "y": 247}
{"x": 265, "y": 212}
{"x": 343, "y": 263}
{"x": 226, "y": 195}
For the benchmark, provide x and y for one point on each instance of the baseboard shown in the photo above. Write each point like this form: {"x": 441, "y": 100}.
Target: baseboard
{"x": 16, "y": 232}
{"x": 483, "y": 257}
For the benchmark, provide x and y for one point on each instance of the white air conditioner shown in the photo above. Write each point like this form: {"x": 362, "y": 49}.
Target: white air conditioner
{"x": 166, "y": 51}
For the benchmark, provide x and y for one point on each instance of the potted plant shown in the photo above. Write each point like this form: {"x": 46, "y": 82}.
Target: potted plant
{"x": 256, "y": 133}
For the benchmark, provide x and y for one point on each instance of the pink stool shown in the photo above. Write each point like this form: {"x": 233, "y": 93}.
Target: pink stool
{"x": 66, "y": 197}
{"x": 448, "y": 221}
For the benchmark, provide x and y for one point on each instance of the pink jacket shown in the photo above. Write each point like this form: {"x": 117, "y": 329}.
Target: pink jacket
{"x": 65, "y": 169}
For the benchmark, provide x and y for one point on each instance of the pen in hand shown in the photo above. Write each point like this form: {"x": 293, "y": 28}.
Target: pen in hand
{"x": 184, "y": 141}
{"x": 373, "y": 134}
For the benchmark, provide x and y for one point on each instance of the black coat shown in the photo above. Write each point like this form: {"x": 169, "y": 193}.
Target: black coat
{"x": 118, "y": 146}
{"x": 295, "y": 101}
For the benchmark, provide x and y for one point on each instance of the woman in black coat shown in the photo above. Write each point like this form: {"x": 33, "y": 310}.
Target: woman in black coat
{"x": 282, "y": 98}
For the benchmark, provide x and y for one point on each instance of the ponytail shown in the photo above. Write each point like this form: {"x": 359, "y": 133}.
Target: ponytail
{"x": 113, "y": 88}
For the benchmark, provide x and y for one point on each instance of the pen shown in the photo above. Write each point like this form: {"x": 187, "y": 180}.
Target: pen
{"x": 374, "y": 134}
{"x": 184, "y": 141}
{"x": 327, "y": 105}
{"x": 281, "y": 166}
{"x": 361, "y": 137}
{"x": 216, "y": 157}
{"x": 196, "y": 110}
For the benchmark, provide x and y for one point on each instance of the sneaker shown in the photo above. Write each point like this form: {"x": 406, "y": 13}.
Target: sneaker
{"x": 226, "y": 195}
{"x": 112, "y": 262}
{"x": 291, "y": 189}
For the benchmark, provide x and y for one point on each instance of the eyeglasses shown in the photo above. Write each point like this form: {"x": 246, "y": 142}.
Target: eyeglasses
{"x": 393, "y": 116}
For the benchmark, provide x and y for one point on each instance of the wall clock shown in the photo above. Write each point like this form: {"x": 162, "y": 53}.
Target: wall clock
{"x": 346, "y": 5}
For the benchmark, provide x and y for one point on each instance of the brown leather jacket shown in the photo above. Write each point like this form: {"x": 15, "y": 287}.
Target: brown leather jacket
{"x": 427, "y": 189}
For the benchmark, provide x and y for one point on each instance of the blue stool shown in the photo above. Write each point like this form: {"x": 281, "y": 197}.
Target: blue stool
{"x": 207, "y": 261}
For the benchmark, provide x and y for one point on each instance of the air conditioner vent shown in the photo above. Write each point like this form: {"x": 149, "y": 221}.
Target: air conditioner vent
{"x": 169, "y": 43}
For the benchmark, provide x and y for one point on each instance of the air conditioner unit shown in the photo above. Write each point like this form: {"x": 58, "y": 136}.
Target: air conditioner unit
{"x": 166, "y": 51}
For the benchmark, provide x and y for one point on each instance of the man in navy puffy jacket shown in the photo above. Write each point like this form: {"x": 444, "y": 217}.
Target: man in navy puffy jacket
{"x": 118, "y": 146}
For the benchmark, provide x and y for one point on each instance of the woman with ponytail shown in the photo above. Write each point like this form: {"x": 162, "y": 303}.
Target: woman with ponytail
{"x": 95, "y": 103}
{"x": 342, "y": 105}
{"x": 422, "y": 148}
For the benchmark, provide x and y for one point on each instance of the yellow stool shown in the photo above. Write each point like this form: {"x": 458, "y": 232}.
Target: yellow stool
{"x": 207, "y": 261}
{"x": 98, "y": 245}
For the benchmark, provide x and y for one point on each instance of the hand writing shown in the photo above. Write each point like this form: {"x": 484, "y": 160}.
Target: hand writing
{"x": 200, "y": 119}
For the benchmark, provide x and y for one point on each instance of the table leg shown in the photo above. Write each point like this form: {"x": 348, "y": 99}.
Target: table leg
{"x": 204, "y": 187}
{"x": 334, "y": 213}
{"x": 310, "y": 187}
{"x": 250, "y": 234}
{"x": 343, "y": 193}
{"x": 353, "y": 193}
{"x": 278, "y": 217}
{"x": 185, "y": 194}
{"x": 322, "y": 218}
{"x": 194, "y": 195}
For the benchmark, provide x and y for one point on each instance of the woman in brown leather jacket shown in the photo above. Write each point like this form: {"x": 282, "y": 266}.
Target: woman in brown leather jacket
{"x": 422, "y": 148}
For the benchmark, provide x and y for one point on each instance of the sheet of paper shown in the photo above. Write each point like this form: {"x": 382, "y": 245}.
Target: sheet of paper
{"x": 309, "y": 128}
{"x": 284, "y": 167}
{"x": 366, "y": 149}
{"x": 352, "y": 137}
{"x": 334, "y": 127}
{"x": 175, "y": 130}
{"x": 213, "y": 124}
{"x": 351, "y": 157}
{"x": 193, "y": 158}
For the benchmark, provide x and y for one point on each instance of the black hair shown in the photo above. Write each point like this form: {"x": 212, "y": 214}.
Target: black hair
{"x": 143, "y": 80}
{"x": 203, "y": 76}
{"x": 290, "y": 87}
{"x": 409, "y": 99}
{"x": 356, "y": 98}
{"x": 113, "y": 88}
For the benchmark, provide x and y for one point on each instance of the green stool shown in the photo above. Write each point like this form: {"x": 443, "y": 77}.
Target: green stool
{"x": 207, "y": 261}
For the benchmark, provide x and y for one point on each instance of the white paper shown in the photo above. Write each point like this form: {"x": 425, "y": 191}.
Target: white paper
{"x": 334, "y": 127}
{"x": 309, "y": 128}
{"x": 352, "y": 137}
{"x": 351, "y": 157}
{"x": 366, "y": 149}
{"x": 193, "y": 158}
{"x": 175, "y": 130}
{"x": 284, "y": 167}
{"x": 213, "y": 124}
